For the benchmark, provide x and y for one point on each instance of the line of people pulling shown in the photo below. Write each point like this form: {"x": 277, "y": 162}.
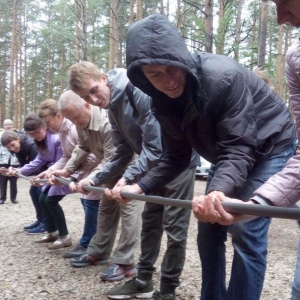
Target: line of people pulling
{"x": 146, "y": 125}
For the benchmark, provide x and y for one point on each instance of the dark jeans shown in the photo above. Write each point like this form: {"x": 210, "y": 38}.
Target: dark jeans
{"x": 249, "y": 239}
{"x": 13, "y": 187}
{"x": 54, "y": 213}
{"x": 175, "y": 222}
{"x": 90, "y": 208}
{"x": 35, "y": 192}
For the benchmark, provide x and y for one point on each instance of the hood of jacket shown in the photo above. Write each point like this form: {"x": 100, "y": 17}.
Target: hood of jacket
{"x": 117, "y": 82}
{"x": 154, "y": 40}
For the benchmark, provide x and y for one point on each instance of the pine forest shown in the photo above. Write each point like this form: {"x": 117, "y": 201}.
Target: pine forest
{"x": 39, "y": 40}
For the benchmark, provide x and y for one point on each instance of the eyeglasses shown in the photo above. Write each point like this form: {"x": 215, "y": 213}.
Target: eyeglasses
{"x": 35, "y": 132}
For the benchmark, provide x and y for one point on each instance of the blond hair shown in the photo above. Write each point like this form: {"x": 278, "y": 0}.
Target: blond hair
{"x": 79, "y": 73}
{"x": 48, "y": 107}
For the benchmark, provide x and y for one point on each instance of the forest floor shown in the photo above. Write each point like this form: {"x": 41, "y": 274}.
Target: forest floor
{"x": 30, "y": 271}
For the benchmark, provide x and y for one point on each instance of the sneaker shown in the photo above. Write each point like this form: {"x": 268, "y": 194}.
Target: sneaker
{"x": 77, "y": 251}
{"x": 2, "y": 201}
{"x": 159, "y": 296}
{"x": 14, "y": 201}
{"x": 117, "y": 272}
{"x": 41, "y": 228}
{"x": 132, "y": 288}
{"x": 48, "y": 238}
{"x": 60, "y": 243}
{"x": 32, "y": 225}
{"x": 86, "y": 260}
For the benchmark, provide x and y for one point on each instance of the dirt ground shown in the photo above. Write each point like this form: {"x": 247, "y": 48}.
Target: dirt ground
{"x": 30, "y": 271}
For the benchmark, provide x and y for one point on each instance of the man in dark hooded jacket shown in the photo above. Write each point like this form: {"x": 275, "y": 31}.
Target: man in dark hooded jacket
{"x": 230, "y": 117}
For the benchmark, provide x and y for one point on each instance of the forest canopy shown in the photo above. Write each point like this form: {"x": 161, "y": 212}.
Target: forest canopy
{"x": 39, "y": 40}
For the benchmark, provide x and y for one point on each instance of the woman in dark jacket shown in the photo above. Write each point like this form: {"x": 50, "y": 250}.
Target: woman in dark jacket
{"x": 25, "y": 150}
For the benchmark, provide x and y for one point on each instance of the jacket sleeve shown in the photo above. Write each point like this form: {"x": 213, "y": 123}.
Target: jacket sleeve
{"x": 70, "y": 141}
{"x": 121, "y": 158}
{"x": 151, "y": 150}
{"x": 32, "y": 151}
{"x": 79, "y": 155}
{"x": 57, "y": 148}
{"x": 38, "y": 162}
{"x": 292, "y": 68}
{"x": 109, "y": 171}
{"x": 176, "y": 157}
{"x": 4, "y": 156}
{"x": 236, "y": 133}
{"x": 283, "y": 188}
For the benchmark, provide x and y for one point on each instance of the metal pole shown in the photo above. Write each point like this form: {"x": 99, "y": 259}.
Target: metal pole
{"x": 244, "y": 209}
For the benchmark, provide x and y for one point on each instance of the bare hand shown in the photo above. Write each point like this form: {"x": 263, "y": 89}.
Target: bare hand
{"x": 33, "y": 181}
{"x": 227, "y": 218}
{"x": 209, "y": 209}
{"x": 204, "y": 209}
{"x": 9, "y": 171}
{"x": 73, "y": 187}
{"x": 79, "y": 186}
{"x": 116, "y": 192}
{"x": 45, "y": 174}
{"x": 60, "y": 173}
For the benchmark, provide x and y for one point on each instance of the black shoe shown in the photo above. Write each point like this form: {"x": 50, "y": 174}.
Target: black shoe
{"x": 157, "y": 295}
{"x": 2, "y": 201}
{"x": 77, "y": 251}
{"x": 14, "y": 201}
{"x": 41, "y": 228}
{"x": 32, "y": 225}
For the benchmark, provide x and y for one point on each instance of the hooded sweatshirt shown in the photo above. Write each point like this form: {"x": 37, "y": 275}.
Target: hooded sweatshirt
{"x": 226, "y": 113}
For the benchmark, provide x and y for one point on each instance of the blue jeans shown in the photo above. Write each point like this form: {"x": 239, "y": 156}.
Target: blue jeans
{"x": 90, "y": 208}
{"x": 296, "y": 283}
{"x": 35, "y": 192}
{"x": 249, "y": 239}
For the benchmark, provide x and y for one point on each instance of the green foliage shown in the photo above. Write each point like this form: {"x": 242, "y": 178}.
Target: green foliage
{"x": 47, "y": 38}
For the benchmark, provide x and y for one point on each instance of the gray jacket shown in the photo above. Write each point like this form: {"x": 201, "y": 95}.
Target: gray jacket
{"x": 6, "y": 157}
{"x": 134, "y": 130}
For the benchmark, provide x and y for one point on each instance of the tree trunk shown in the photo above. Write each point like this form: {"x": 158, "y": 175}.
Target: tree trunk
{"x": 280, "y": 64}
{"x": 238, "y": 25}
{"x": 112, "y": 39}
{"x": 139, "y": 10}
{"x": 84, "y": 33}
{"x": 263, "y": 35}
{"x": 13, "y": 58}
{"x": 131, "y": 11}
{"x": 221, "y": 29}
{"x": 77, "y": 31}
{"x": 209, "y": 25}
